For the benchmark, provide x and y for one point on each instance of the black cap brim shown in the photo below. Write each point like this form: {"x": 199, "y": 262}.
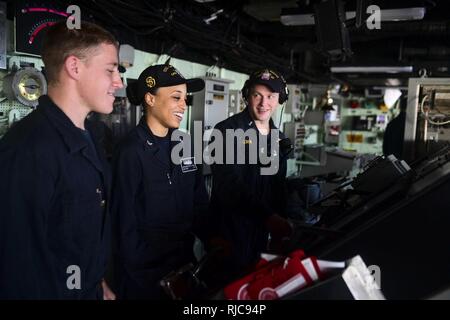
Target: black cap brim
{"x": 194, "y": 85}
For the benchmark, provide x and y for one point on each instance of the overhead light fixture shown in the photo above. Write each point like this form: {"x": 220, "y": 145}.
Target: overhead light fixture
{"x": 417, "y": 13}
{"x": 292, "y": 17}
{"x": 364, "y": 69}
{"x": 306, "y": 19}
{"x": 297, "y": 19}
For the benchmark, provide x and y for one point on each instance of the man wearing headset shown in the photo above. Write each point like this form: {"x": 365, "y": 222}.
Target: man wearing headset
{"x": 248, "y": 204}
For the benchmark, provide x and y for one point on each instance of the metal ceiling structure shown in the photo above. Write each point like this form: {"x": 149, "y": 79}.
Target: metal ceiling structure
{"x": 243, "y": 35}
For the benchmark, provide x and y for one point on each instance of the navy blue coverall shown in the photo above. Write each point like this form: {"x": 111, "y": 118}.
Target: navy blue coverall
{"x": 157, "y": 209}
{"x": 242, "y": 199}
{"x": 53, "y": 217}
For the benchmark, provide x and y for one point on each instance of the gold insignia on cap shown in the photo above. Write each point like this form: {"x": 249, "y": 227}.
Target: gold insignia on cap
{"x": 176, "y": 72}
{"x": 274, "y": 75}
{"x": 150, "y": 81}
{"x": 172, "y": 71}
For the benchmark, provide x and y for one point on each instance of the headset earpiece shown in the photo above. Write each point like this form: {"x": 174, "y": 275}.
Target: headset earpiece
{"x": 284, "y": 95}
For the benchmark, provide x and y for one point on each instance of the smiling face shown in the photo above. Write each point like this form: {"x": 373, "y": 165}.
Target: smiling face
{"x": 166, "y": 108}
{"x": 262, "y": 103}
{"x": 99, "y": 79}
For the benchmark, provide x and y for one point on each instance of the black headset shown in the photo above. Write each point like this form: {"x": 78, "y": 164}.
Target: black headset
{"x": 283, "y": 95}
